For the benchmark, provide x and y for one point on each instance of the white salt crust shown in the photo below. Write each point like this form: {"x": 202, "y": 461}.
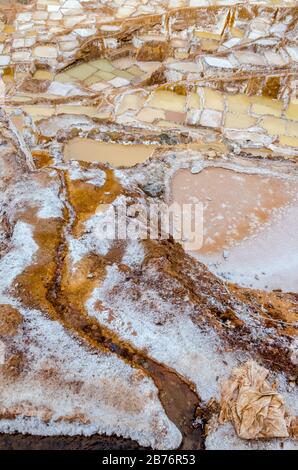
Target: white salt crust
{"x": 225, "y": 438}
{"x": 30, "y": 192}
{"x": 177, "y": 342}
{"x": 134, "y": 254}
{"x": 94, "y": 176}
{"x": 111, "y": 396}
{"x": 95, "y": 392}
{"x": 169, "y": 335}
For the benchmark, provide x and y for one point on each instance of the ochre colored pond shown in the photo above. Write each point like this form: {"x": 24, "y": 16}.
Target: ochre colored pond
{"x": 235, "y": 204}
{"x": 90, "y": 150}
{"x": 250, "y": 225}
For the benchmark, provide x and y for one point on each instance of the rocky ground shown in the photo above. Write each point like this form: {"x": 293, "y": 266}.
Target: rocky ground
{"x": 133, "y": 343}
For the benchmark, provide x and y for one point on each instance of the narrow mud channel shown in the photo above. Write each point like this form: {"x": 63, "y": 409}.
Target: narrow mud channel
{"x": 177, "y": 396}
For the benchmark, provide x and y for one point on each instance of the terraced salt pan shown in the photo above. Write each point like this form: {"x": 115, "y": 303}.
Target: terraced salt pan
{"x": 67, "y": 388}
{"x": 267, "y": 261}
{"x": 99, "y": 402}
{"x": 250, "y": 225}
{"x": 165, "y": 330}
{"x": 90, "y": 150}
{"x": 168, "y": 334}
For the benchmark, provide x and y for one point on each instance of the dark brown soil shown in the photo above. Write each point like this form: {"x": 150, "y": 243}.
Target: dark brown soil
{"x": 96, "y": 442}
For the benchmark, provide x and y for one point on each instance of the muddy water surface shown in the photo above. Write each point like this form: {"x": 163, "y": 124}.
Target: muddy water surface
{"x": 90, "y": 150}
{"x": 250, "y": 225}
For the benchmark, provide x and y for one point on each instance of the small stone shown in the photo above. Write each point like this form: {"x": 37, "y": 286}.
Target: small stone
{"x": 196, "y": 168}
